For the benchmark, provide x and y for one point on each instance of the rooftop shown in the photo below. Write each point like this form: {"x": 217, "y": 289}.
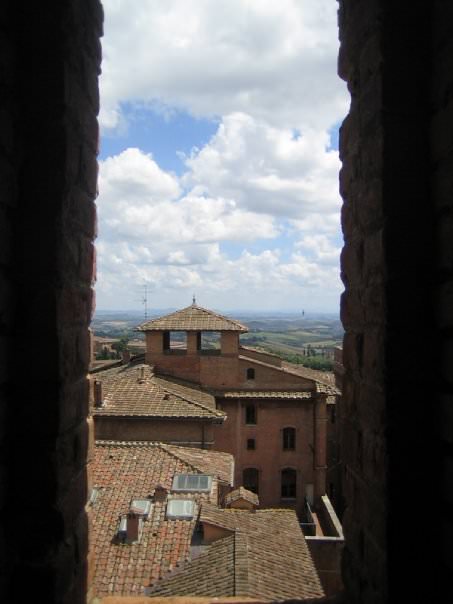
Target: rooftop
{"x": 134, "y": 390}
{"x": 242, "y": 493}
{"x": 193, "y": 318}
{"x": 124, "y": 471}
{"x": 263, "y": 554}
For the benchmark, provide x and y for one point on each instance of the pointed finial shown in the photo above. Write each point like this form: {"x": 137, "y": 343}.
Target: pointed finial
{"x": 193, "y": 300}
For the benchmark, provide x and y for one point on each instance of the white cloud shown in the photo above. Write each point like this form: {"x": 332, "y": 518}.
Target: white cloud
{"x": 321, "y": 248}
{"x": 152, "y": 232}
{"x": 272, "y": 60}
{"x": 255, "y": 218}
{"x": 268, "y": 170}
{"x": 143, "y": 213}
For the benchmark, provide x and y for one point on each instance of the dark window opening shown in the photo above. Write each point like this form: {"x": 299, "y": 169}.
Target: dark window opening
{"x": 250, "y": 479}
{"x": 289, "y": 483}
{"x": 250, "y": 414}
{"x": 289, "y": 439}
{"x": 250, "y": 373}
{"x": 251, "y": 444}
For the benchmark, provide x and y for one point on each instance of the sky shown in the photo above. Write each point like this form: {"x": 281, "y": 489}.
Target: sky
{"x": 218, "y": 168}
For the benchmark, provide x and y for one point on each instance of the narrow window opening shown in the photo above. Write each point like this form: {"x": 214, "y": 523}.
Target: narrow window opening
{"x": 289, "y": 439}
{"x": 289, "y": 481}
{"x": 250, "y": 414}
{"x": 250, "y": 479}
{"x": 251, "y": 445}
{"x": 250, "y": 373}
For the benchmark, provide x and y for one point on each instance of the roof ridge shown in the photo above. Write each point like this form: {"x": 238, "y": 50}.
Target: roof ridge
{"x": 215, "y": 314}
{"x": 241, "y": 564}
{"x": 147, "y": 325}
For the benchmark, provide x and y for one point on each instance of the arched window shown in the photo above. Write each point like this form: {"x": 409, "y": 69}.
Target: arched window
{"x": 289, "y": 439}
{"x": 250, "y": 373}
{"x": 289, "y": 481}
{"x": 250, "y": 479}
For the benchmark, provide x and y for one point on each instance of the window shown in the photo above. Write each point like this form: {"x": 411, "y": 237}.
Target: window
{"x": 141, "y": 507}
{"x": 192, "y": 482}
{"x": 250, "y": 414}
{"x": 250, "y": 373}
{"x": 251, "y": 444}
{"x": 180, "y": 509}
{"x": 250, "y": 479}
{"x": 289, "y": 483}
{"x": 289, "y": 439}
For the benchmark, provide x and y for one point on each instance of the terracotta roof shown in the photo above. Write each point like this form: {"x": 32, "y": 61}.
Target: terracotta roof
{"x": 193, "y": 318}
{"x": 267, "y": 553}
{"x": 293, "y": 394}
{"x": 242, "y": 493}
{"x": 205, "y": 461}
{"x": 133, "y": 390}
{"x": 322, "y": 377}
{"x": 210, "y": 574}
{"x": 122, "y": 471}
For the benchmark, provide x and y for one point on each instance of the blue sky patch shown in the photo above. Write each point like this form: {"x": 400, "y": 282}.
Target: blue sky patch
{"x": 163, "y": 135}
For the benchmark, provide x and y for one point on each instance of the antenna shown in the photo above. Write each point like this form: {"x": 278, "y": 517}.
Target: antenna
{"x": 145, "y": 301}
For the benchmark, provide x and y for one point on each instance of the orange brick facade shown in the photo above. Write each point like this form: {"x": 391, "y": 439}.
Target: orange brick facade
{"x": 283, "y": 473}
{"x": 269, "y": 456}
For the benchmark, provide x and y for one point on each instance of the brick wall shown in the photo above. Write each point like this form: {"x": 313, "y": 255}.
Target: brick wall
{"x": 50, "y": 57}
{"x": 269, "y": 457}
{"x": 183, "y": 432}
{"x": 397, "y": 153}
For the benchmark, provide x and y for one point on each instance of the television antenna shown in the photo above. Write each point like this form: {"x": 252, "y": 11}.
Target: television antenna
{"x": 145, "y": 300}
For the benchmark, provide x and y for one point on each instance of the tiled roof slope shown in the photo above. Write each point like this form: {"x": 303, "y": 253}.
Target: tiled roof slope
{"x": 133, "y": 390}
{"x": 270, "y": 557}
{"x": 204, "y": 461}
{"x": 322, "y": 378}
{"x": 242, "y": 493}
{"x": 193, "y": 318}
{"x": 211, "y": 574}
{"x": 122, "y": 471}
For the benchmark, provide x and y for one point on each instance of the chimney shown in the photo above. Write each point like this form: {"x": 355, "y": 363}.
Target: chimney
{"x": 160, "y": 493}
{"x": 125, "y": 356}
{"x": 98, "y": 394}
{"x": 132, "y": 527}
{"x": 141, "y": 374}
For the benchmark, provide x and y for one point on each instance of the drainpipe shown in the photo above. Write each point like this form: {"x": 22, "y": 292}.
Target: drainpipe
{"x": 320, "y": 441}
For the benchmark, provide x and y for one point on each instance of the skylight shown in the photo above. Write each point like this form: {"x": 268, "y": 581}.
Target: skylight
{"x": 180, "y": 509}
{"x": 192, "y": 482}
{"x": 141, "y": 506}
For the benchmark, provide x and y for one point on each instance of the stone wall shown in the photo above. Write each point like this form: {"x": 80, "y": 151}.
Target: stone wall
{"x": 49, "y": 63}
{"x": 396, "y": 181}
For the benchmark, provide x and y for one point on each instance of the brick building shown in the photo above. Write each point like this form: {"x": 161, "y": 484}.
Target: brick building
{"x": 276, "y": 418}
{"x": 131, "y": 403}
